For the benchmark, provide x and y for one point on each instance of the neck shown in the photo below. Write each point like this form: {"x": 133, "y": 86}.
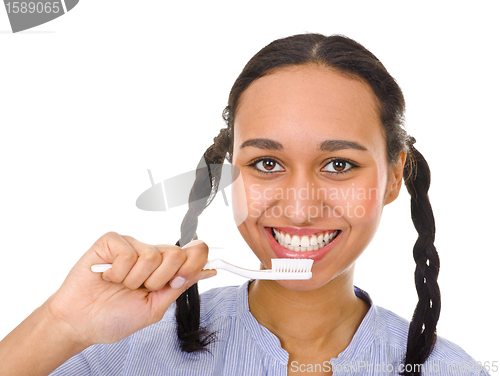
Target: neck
{"x": 320, "y": 320}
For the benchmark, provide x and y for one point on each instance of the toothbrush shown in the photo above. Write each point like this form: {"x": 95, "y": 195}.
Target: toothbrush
{"x": 281, "y": 269}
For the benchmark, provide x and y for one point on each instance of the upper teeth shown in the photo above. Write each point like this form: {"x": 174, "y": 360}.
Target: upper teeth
{"x": 304, "y": 243}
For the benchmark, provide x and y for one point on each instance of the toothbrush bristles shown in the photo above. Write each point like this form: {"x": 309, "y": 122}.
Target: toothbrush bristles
{"x": 285, "y": 265}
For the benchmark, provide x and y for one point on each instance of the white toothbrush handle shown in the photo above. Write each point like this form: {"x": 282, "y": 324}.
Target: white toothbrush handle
{"x": 211, "y": 264}
{"x": 223, "y": 265}
{"x": 101, "y": 268}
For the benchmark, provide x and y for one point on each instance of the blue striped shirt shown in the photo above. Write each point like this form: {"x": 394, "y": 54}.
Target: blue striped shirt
{"x": 245, "y": 347}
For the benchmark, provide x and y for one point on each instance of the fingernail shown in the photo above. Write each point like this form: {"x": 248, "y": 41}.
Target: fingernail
{"x": 107, "y": 280}
{"x": 177, "y": 282}
{"x": 192, "y": 242}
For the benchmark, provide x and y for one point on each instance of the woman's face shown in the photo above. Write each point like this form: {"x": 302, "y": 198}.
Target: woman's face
{"x": 311, "y": 152}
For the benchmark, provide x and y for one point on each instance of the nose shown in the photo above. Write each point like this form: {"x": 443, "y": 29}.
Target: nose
{"x": 303, "y": 200}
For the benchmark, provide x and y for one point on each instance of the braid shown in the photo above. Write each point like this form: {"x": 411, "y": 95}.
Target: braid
{"x": 422, "y": 331}
{"x": 208, "y": 173}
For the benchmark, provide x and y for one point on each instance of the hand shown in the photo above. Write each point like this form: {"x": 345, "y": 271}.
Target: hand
{"x": 136, "y": 292}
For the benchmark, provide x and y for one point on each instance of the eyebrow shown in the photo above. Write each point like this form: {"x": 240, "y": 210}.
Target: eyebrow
{"x": 328, "y": 145}
{"x": 262, "y": 143}
{"x": 334, "y": 145}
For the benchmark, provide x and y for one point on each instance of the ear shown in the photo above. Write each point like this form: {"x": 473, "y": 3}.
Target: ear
{"x": 395, "y": 179}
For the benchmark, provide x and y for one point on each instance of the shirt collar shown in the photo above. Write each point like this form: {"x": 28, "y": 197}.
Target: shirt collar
{"x": 271, "y": 345}
{"x": 365, "y": 334}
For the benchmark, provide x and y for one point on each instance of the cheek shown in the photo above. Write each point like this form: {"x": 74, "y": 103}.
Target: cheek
{"x": 252, "y": 201}
{"x": 359, "y": 204}
{"x": 239, "y": 201}
{"x": 259, "y": 201}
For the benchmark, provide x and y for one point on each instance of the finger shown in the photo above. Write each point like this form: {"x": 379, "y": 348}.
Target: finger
{"x": 173, "y": 257}
{"x": 149, "y": 259}
{"x": 113, "y": 248}
{"x": 197, "y": 255}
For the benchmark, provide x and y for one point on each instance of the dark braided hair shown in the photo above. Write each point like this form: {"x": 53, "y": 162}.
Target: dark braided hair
{"x": 208, "y": 174}
{"x": 351, "y": 59}
{"x": 422, "y": 331}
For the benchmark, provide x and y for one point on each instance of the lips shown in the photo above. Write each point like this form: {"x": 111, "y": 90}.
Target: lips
{"x": 301, "y": 241}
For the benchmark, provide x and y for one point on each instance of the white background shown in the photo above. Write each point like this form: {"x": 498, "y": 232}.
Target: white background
{"x": 90, "y": 101}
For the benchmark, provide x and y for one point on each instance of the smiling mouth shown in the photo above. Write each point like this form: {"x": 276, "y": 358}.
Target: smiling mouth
{"x": 304, "y": 243}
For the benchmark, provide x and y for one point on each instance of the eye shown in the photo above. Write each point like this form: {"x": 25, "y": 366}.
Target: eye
{"x": 339, "y": 166}
{"x": 266, "y": 165}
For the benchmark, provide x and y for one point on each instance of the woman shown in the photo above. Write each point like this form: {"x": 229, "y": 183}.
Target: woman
{"x": 314, "y": 125}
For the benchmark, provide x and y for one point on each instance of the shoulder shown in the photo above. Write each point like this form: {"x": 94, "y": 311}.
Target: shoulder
{"x": 446, "y": 358}
{"x": 219, "y": 302}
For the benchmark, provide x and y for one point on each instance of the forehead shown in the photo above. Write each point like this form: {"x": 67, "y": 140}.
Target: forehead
{"x": 307, "y": 101}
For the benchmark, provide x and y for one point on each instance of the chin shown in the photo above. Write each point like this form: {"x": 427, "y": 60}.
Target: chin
{"x": 316, "y": 282}
{"x": 322, "y": 278}
{"x": 304, "y": 285}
